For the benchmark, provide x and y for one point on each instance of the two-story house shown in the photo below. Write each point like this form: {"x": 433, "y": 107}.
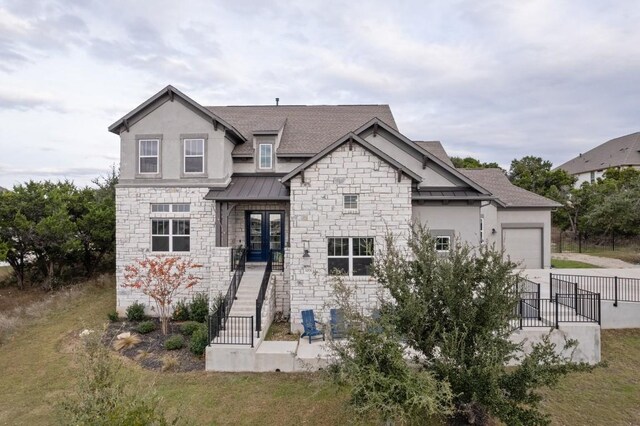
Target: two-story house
{"x": 313, "y": 189}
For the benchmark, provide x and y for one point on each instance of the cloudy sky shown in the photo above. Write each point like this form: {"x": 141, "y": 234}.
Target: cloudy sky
{"x": 493, "y": 79}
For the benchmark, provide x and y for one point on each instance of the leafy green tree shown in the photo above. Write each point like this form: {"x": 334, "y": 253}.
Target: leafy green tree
{"x": 472, "y": 163}
{"x": 534, "y": 174}
{"x": 456, "y": 311}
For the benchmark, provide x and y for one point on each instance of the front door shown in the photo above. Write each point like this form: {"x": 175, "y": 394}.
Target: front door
{"x": 265, "y": 231}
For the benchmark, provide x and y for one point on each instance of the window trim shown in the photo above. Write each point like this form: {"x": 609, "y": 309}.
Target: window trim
{"x": 184, "y": 155}
{"x": 344, "y": 202}
{"x": 270, "y": 145}
{"x": 170, "y": 235}
{"x": 140, "y": 156}
{"x": 350, "y": 255}
{"x": 448, "y": 238}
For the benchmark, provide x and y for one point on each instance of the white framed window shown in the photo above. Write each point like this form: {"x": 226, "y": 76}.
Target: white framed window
{"x": 265, "y": 156}
{"x": 194, "y": 155}
{"x": 350, "y": 256}
{"x": 482, "y": 230}
{"x": 350, "y": 202}
{"x": 148, "y": 155}
{"x": 170, "y": 235}
{"x": 443, "y": 243}
{"x": 167, "y": 208}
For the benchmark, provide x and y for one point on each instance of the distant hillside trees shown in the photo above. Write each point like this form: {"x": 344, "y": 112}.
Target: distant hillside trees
{"x": 54, "y": 230}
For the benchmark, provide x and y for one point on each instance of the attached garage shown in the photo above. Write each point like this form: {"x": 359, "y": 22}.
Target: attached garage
{"x": 523, "y": 246}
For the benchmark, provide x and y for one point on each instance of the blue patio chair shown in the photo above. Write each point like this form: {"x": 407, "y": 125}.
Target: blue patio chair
{"x": 309, "y": 323}
{"x": 338, "y": 324}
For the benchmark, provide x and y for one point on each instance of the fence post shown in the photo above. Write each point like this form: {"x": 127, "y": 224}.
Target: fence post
{"x": 557, "y": 326}
{"x": 520, "y": 312}
{"x": 615, "y": 291}
{"x": 550, "y": 285}
{"x": 575, "y": 297}
{"x": 579, "y": 242}
{"x": 599, "y": 310}
{"x": 560, "y": 245}
{"x": 251, "y": 331}
{"x": 613, "y": 241}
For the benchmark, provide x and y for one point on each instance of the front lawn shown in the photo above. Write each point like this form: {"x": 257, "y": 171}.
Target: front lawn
{"x": 38, "y": 369}
{"x": 570, "y": 264}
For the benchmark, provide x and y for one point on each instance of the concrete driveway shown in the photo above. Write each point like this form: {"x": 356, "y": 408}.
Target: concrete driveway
{"x": 541, "y": 276}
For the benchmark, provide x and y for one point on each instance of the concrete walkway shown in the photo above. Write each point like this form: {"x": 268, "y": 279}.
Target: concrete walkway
{"x": 602, "y": 262}
{"x": 541, "y": 276}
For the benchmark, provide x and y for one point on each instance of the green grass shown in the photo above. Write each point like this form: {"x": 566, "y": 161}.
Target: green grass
{"x": 570, "y": 264}
{"x": 626, "y": 256}
{"x": 38, "y": 370}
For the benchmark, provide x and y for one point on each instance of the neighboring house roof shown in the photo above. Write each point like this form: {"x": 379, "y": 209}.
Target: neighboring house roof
{"x": 507, "y": 194}
{"x": 167, "y": 94}
{"x": 352, "y": 138}
{"x": 307, "y": 129}
{"x": 618, "y": 152}
{"x": 251, "y": 187}
{"x": 436, "y": 148}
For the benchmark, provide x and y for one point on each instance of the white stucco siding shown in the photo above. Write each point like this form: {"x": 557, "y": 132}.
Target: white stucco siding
{"x": 170, "y": 121}
{"x": 317, "y": 213}
{"x": 133, "y": 237}
{"x": 463, "y": 220}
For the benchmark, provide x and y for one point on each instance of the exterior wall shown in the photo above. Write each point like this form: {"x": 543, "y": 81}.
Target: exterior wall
{"x": 237, "y": 220}
{"x": 316, "y": 214}
{"x": 587, "y": 335}
{"x": 170, "y": 122}
{"x": 430, "y": 176}
{"x": 133, "y": 235}
{"x": 586, "y": 177}
{"x": 495, "y": 218}
{"x": 462, "y": 218}
{"x": 625, "y": 315}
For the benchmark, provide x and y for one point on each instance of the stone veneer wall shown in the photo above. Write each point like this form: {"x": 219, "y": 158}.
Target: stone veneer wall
{"x": 316, "y": 214}
{"x": 133, "y": 235}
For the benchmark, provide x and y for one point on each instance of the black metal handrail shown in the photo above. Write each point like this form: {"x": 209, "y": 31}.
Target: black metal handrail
{"x": 238, "y": 258}
{"x": 218, "y": 318}
{"x": 277, "y": 260}
{"x": 615, "y": 289}
{"x": 232, "y": 330}
{"x": 551, "y": 312}
{"x": 263, "y": 292}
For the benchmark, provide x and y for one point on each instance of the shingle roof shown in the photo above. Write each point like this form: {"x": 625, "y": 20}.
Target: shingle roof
{"x": 308, "y": 129}
{"x": 255, "y": 187}
{"x": 436, "y": 148}
{"x": 622, "y": 151}
{"x": 508, "y": 195}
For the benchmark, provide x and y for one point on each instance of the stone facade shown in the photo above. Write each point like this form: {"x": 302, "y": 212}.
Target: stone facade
{"x": 133, "y": 235}
{"x": 317, "y": 213}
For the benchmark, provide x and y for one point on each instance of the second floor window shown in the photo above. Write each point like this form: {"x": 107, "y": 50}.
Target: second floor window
{"x": 265, "y": 158}
{"x": 148, "y": 153}
{"x": 194, "y": 155}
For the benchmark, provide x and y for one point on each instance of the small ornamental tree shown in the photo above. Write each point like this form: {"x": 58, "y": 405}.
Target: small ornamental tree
{"x": 159, "y": 278}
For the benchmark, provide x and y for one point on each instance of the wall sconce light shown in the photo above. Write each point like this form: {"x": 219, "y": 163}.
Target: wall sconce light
{"x": 305, "y": 247}
{"x": 493, "y": 231}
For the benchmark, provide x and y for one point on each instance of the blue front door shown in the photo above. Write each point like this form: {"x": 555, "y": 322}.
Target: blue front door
{"x": 265, "y": 231}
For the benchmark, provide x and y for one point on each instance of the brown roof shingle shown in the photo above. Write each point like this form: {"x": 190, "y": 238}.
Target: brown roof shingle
{"x": 508, "y": 195}
{"x": 622, "y": 151}
{"x": 307, "y": 129}
{"x": 436, "y": 148}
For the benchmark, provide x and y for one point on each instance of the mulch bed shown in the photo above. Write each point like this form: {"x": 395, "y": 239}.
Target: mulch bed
{"x": 149, "y": 353}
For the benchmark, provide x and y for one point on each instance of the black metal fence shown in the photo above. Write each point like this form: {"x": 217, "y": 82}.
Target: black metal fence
{"x": 238, "y": 258}
{"x": 569, "y": 242}
{"x": 263, "y": 292}
{"x": 616, "y": 289}
{"x": 230, "y": 330}
{"x": 551, "y": 312}
{"x": 277, "y": 260}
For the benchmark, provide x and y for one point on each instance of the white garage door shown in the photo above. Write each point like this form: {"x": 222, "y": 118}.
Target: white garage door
{"x": 523, "y": 246}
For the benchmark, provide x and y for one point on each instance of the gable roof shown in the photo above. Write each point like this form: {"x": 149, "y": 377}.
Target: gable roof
{"x": 622, "y": 151}
{"x": 308, "y": 129}
{"x": 170, "y": 93}
{"x": 377, "y": 125}
{"x": 436, "y": 148}
{"x": 351, "y": 138}
{"x": 507, "y": 194}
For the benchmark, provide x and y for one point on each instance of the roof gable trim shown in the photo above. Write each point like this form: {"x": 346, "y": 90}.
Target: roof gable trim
{"x": 352, "y": 138}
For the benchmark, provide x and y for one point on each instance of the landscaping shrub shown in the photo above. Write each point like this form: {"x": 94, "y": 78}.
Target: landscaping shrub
{"x": 113, "y": 316}
{"x": 135, "y": 312}
{"x": 199, "y": 307}
{"x": 199, "y": 340}
{"x": 126, "y": 341}
{"x": 170, "y": 363}
{"x": 174, "y": 342}
{"x": 189, "y": 327}
{"x": 146, "y": 327}
{"x": 180, "y": 311}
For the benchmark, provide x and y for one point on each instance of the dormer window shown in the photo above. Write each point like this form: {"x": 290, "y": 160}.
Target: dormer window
{"x": 148, "y": 155}
{"x": 265, "y": 157}
{"x": 194, "y": 155}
